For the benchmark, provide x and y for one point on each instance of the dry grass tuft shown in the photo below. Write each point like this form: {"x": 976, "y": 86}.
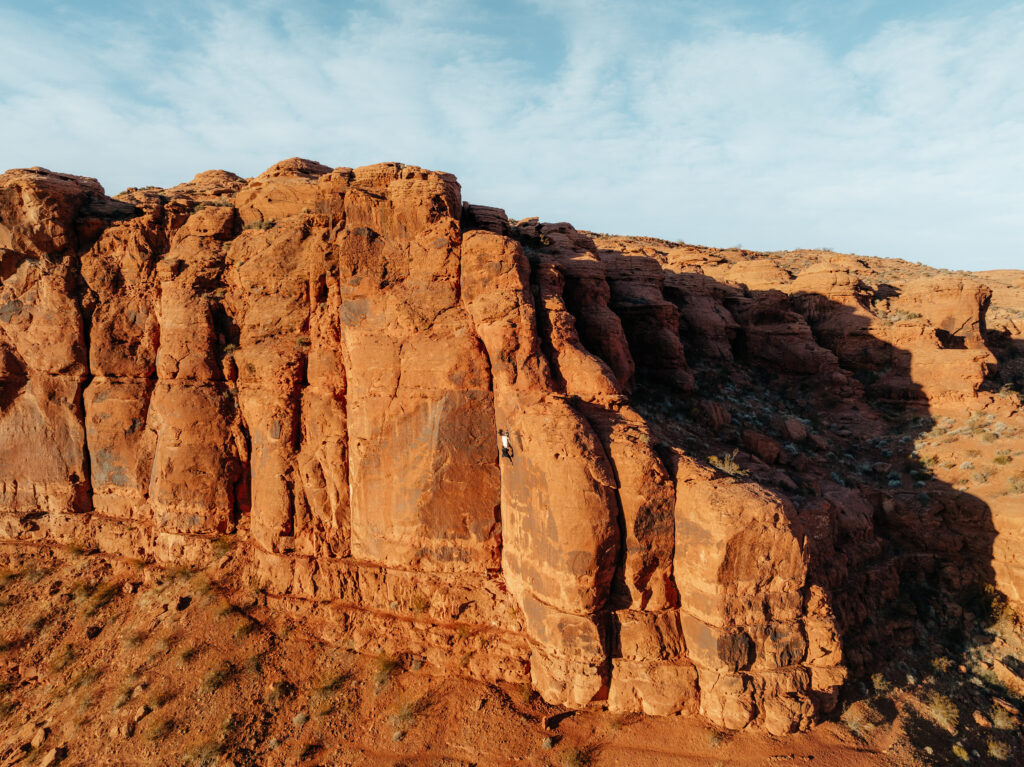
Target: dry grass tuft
{"x": 943, "y": 711}
{"x": 999, "y": 750}
{"x": 727, "y": 463}
{"x": 64, "y": 658}
{"x": 1002, "y": 719}
{"x": 409, "y": 711}
{"x": 161, "y": 729}
{"x": 577, "y": 757}
{"x": 103, "y": 597}
{"x": 220, "y": 676}
{"x": 334, "y": 683}
{"x": 135, "y": 639}
{"x": 942, "y": 665}
{"x": 384, "y": 667}
{"x": 420, "y": 604}
{"x": 880, "y": 683}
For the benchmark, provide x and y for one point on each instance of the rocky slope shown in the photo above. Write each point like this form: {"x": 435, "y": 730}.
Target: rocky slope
{"x": 734, "y": 480}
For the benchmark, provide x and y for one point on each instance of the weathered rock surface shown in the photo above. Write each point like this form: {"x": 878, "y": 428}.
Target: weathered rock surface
{"x": 322, "y": 363}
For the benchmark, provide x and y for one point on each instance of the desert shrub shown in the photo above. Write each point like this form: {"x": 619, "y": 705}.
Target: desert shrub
{"x": 135, "y": 639}
{"x": 7, "y": 708}
{"x": 983, "y": 476}
{"x": 900, "y": 315}
{"x": 1002, "y": 614}
{"x": 85, "y": 679}
{"x": 161, "y": 729}
{"x": 1002, "y": 719}
{"x": 856, "y": 718}
{"x": 164, "y": 697}
{"x": 715, "y": 738}
{"x": 1002, "y": 460}
{"x": 123, "y": 697}
{"x": 960, "y": 752}
{"x": 63, "y": 658}
{"x": 38, "y": 623}
{"x": 213, "y": 204}
{"x": 224, "y": 544}
{"x": 267, "y": 224}
{"x": 126, "y": 690}
{"x": 103, "y": 597}
{"x": 1016, "y": 484}
{"x": 205, "y": 753}
{"x": 577, "y": 757}
{"x": 624, "y": 720}
{"x": 245, "y": 628}
{"x": 384, "y": 666}
{"x": 943, "y": 711}
{"x": 220, "y": 676}
{"x": 334, "y": 683}
{"x": 407, "y": 712}
{"x": 999, "y": 750}
{"x": 167, "y": 643}
{"x": 727, "y": 463}
{"x": 942, "y": 665}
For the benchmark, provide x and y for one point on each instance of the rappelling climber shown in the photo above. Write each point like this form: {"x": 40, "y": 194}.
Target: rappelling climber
{"x": 506, "y": 444}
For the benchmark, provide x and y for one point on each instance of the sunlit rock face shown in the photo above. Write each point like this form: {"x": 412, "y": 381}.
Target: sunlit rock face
{"x": 320, "y": 362}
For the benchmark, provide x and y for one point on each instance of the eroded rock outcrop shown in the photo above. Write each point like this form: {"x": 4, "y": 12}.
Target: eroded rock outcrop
{"x": 321, "y": 362}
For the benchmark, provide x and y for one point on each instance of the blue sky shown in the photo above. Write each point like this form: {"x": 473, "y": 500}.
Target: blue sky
{"x": 883, "y": 128}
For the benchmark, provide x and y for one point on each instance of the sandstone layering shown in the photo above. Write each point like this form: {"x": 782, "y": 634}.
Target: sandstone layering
{"x": 319, "y": 361}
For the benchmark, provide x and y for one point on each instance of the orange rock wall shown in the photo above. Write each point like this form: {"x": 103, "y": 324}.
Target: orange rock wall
{"x": 319, "y": 362}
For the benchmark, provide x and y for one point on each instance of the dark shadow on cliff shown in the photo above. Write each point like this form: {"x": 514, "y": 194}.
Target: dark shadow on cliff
{"x": 912, "y": 583}
{"x": 1008, "y": 373}
{"x": 13, "y": 376}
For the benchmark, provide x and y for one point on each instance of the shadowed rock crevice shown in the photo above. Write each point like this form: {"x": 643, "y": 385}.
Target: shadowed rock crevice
{"x": 717, "y": 498}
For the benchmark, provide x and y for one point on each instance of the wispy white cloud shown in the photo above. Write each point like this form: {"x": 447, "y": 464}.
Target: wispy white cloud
{"x": 641, "y": 118}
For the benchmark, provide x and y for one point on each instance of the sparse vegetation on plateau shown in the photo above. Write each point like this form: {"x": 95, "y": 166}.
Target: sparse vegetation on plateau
{"x": 261, "y": 224}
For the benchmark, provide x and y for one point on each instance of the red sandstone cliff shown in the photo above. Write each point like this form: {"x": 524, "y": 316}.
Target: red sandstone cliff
{"x": 319, "y": 362}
